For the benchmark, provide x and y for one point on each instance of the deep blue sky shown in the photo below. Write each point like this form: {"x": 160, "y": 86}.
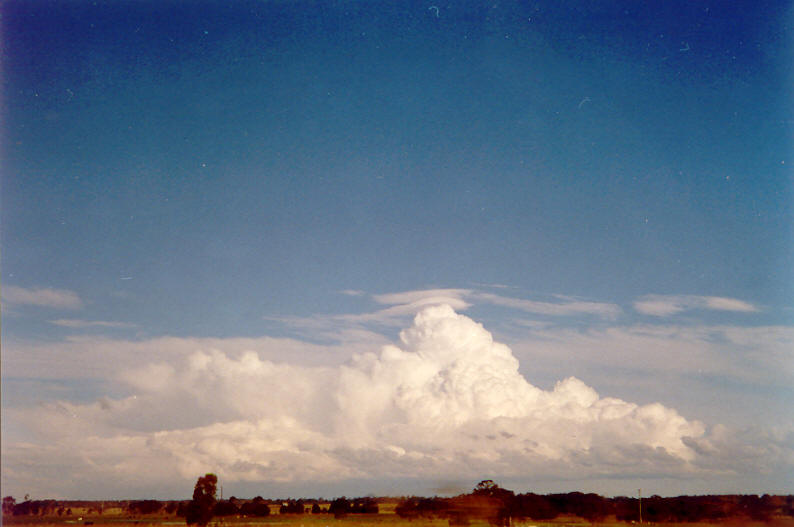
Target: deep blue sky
{"x": 253, "y": 158}
{"x": 225, "y": 169}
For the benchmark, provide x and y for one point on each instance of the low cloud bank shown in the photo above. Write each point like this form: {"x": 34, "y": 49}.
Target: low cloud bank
{"x": 448, "y": 402}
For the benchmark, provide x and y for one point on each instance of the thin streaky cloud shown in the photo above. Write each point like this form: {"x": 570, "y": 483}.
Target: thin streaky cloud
{"x": 80, "y": 324}
{"x": 353, "y": 292}
{"x": 42, "y": 297}
{"x": 395, "y": 314}
{"x": 566, "y": 308}
{"x": 400, "y": 306}
{"x": 420, "y": 295}
{"x": 567, "y": 305}
{"x": 729, "y": 304}
{"x": 404, "y": 304}
{"x": 658, "y": 308}
{"x": 667, "y": 305}
{"x": 495, "y": 286}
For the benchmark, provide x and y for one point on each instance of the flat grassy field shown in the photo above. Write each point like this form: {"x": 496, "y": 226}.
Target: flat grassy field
{"x": 353, "y": 520}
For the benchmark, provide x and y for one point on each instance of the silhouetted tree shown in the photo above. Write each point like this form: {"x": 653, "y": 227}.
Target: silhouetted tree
{"x": 144, "y": 507}
{"x": 498, "y": 503}
{"x": 201, "y": 507}
{"x": 757, "y": 507}
{"x": 788, "y": 506}
{"x": 256, "y": 507}
{"x": 26, "y": 508}
{"x": 365, "y": 506}
{"x": 291, "y": 507}
{"x": 593, "y": 508}
{"x": 226, "y": 508}
{"x": 8, "y": 505}
{"x": 339, "y": 507}
{"x": 533, "y": 506}
{"x": 486, "y": 487}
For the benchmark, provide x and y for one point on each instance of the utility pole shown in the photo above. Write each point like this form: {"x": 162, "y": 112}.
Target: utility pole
{"x": 221, "y": 521}
{"x": 639, "y": 495}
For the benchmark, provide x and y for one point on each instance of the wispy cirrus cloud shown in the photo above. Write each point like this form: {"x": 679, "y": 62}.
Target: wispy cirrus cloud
{"x": 353, "y": 292}
{"x": 41, "y": 297}
{"x": 408, "y": 302}
{"x": 567, "y": 306}
{"x": 85, "y": 324}
{"x": 463, "y": 298}
{"x": 728, "y": 304}
{"x": 667, "y": 305}
{"x": 400, "y": 306}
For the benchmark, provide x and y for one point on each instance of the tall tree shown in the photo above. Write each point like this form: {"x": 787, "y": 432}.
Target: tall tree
{"x": 201, "y": 507}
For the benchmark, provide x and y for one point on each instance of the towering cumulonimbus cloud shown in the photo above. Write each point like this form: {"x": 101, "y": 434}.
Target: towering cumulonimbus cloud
{"x": 447, "y": 402}
{"x": 450, "y": 401}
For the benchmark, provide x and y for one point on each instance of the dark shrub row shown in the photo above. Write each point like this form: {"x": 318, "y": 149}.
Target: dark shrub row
{"x": 498, "y": 506}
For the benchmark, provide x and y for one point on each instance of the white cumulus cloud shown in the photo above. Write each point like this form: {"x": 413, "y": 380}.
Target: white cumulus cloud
{"x": 446, "y": 402}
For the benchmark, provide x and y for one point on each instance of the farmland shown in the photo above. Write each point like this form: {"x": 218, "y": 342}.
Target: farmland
{"x": 487, "y": 505}
{"x": 115, "y": 514}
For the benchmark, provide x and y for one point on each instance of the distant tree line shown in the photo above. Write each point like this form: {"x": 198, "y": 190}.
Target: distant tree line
{"x": 487, "y": 501}
{"x": 32, "y": 507}
{"x": 204, "y": 505}
{"x": 341, "y": 507}
{"x": 500, "y": 507}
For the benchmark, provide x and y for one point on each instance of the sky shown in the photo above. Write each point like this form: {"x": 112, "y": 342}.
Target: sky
{"x": 328, "y": 248}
